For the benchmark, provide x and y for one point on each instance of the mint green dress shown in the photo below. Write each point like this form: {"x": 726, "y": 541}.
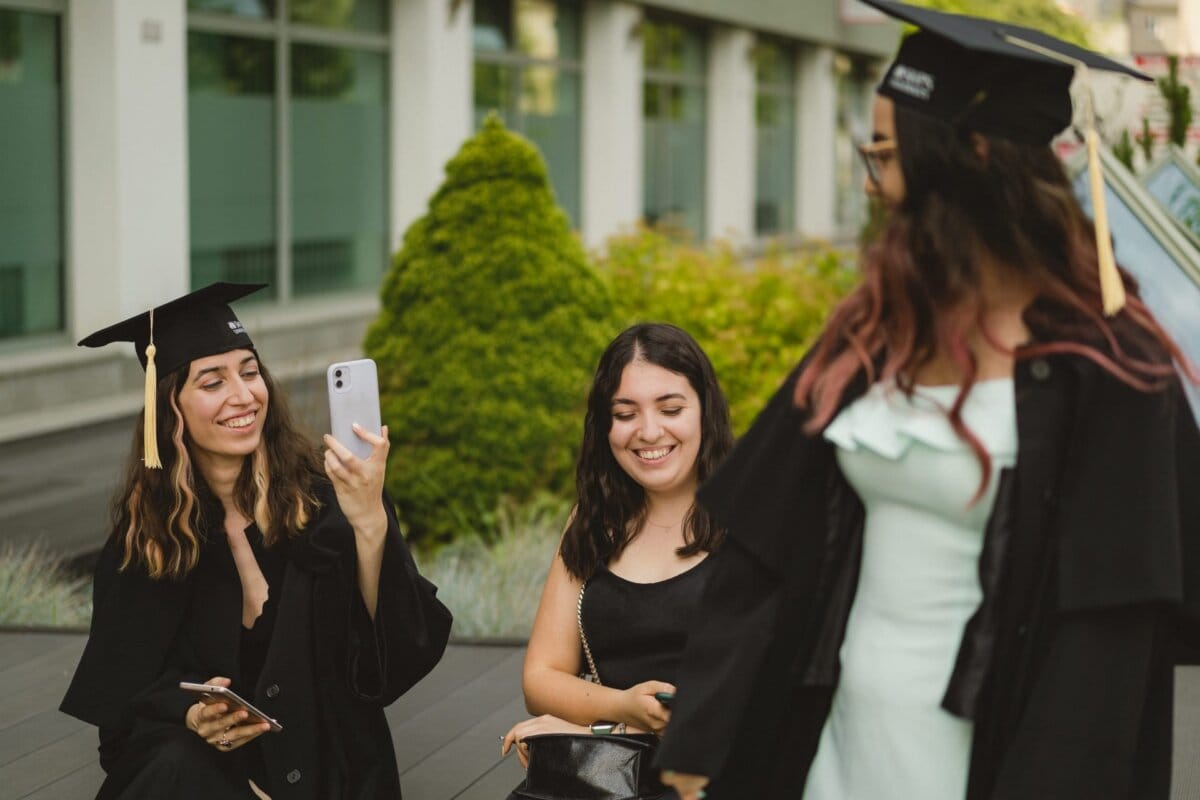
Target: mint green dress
{"x": 887, "y": 735}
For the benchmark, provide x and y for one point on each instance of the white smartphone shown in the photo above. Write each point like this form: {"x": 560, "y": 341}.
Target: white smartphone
{"x": 353, "y": 397}
{"x": 234, "y": 701}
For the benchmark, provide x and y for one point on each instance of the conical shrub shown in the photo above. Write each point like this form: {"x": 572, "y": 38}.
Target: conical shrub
{"x": 491, "y": 325}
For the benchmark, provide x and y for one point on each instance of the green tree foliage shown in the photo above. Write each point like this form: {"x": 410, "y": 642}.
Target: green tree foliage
{"x": 1045, "y": 15}
{"x": 1145, "y": 141}
{"x": 1178, "y": 97}
{"x": 1123, "y": 150}
{"x": 753, "y": 320}
{"x": 491, "y": 325}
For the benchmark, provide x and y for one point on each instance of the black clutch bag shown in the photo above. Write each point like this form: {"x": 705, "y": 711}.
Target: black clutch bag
{"x": 568, "y": 766}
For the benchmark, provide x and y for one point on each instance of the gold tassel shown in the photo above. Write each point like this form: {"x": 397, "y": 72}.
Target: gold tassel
{"x": 1112, "y": 288}
{"x": 150, "y": 430}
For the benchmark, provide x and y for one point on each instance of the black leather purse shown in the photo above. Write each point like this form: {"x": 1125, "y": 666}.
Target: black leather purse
{"x": 570, "y": 766}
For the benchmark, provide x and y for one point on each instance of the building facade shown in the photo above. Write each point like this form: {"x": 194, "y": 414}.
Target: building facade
{"x": 148, "y": 147}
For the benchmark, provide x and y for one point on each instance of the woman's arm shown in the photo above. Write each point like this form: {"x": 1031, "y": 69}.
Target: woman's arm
{"x": 399, "y": 632}
{"x": 359, "y": 486}
{"x": 552, "y": 665}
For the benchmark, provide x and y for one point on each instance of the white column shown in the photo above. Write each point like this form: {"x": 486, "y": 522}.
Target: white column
{"x": 612, "y": 119}
{"x": 431, "y": 100}
{"x": 816, "y": 129}
{"x": 127, "y": 157}
{"x": 731, "y": 135}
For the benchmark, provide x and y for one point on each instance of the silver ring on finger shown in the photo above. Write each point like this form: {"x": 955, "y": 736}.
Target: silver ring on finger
{"x": 225, "y": 742}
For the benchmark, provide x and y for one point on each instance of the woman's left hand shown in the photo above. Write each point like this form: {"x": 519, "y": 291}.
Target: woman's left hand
{"x": 530, "y": 727}
{"x": 359, "y": 482}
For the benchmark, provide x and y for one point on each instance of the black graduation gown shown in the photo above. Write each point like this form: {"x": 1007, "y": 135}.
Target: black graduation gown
{"x": 328, "y": 672}
{"x": 1091, "y": 583}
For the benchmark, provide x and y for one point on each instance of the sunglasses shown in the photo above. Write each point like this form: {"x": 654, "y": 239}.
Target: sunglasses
{"x": 875, "y": 156}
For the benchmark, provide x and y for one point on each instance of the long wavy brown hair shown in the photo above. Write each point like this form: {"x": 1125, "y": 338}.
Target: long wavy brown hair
{"x": 162, "y": 515}
{"x": 611, "y": 506}
{"x": 921, "y": 290}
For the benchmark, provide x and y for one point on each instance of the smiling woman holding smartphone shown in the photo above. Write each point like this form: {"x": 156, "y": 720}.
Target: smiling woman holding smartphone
{"x": 631, "y": 566}
{"x": 242, "y": 558}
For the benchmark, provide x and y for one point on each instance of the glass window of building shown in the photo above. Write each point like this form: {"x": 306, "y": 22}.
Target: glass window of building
{"x": 31, "y": 190}
{"x": 673, "y": 120}
{"x": 775, "y": 138}
{"x": 856, "y": 79}
{"x": 529, "y": 70}
{"x": 287, "y": 132}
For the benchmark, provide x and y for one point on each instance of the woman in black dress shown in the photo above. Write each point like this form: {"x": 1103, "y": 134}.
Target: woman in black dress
{"x": 986, "y": 276}
{"x": 245, "y": 559}
{"x": 657, "y": 424}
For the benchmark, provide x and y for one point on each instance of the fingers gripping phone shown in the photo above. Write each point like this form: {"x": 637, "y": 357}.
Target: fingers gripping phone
{"x": 232, "y": 700}
{"x": 353, "y": 397}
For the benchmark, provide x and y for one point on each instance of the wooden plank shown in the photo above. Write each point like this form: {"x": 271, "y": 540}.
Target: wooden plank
{"x": 495, "y": 784}
{"x": 1185, "y": 763}
{"x": 33, "y": 699}
{"x": 16, "y": 648}
{"x": 460, "y": 665}
{"x": 456, "y": 766}
{"x": 43, "y": 767}
{"x": 419, "y": 736}
{"x": 38, "y": 731}
{"x": 82, "y": 784}
{"x": 57, "y": 659}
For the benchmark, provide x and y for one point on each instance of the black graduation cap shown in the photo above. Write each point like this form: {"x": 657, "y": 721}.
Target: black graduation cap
{"x": 174, "y": 334}
{"x": 1003, "y": 80}
{"x": 988, "y": 76}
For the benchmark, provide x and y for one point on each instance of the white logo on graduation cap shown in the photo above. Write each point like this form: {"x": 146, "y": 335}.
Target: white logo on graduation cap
{"x": 912, "y": 82}
{"x": 235, "y": 326}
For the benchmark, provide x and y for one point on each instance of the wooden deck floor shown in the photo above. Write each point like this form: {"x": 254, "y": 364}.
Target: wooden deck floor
{"x": 445, "y": 728}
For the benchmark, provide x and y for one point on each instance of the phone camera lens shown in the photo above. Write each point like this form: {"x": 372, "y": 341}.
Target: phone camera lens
{"x": 337, "y": 373}
{"x": 338, "y": 384}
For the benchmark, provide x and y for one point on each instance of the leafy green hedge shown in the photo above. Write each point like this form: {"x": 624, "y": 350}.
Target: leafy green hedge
{"x": 754, "y": 320}
{"x": 491, "y": 326}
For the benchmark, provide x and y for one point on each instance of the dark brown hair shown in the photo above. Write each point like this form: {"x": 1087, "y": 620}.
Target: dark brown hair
{"x": 611, "y": 506}
{"x": 921, "y": 285}
{"x": 162, "y": 514}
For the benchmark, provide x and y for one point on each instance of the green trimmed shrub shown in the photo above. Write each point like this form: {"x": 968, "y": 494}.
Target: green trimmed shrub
{"x": 754, "y": 320}
{"x": 491, "y": 325}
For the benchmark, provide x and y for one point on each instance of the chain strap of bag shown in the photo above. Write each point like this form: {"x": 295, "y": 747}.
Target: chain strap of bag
{"x": 593, "y": 675}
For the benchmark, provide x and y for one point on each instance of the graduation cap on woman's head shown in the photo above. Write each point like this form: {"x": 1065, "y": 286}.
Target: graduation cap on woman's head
{"x": 174, "y": 334}
{"x": 1003, "y": 80}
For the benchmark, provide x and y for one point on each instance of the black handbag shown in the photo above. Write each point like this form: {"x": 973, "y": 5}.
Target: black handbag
{"x": 570, "y": 766}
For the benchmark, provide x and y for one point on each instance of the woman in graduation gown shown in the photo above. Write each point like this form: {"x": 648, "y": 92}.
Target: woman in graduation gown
{"x": 963, "y": 550}
{"x": 246, "y": 559}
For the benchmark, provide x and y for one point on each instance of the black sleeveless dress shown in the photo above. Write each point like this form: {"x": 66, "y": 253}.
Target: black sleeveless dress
{"x": 637, "y": 631}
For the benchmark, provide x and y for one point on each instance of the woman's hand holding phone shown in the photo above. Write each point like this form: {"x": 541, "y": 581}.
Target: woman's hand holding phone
{"x": 222, "y": 728}
{"x": 643, "y": 710}
{"x": 358, "y": 482}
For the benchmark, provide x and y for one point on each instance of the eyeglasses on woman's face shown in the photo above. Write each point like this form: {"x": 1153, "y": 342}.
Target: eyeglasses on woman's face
{"x": 875, "y": 156}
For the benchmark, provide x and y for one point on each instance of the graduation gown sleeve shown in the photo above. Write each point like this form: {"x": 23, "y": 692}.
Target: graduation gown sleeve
{"x": 756, "y": 495}
{"x": 379, "y": 659}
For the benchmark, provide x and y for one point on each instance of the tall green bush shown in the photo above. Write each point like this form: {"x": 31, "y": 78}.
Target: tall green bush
{"x": 753, "y": 319}
{"x": 491, "y": 325}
